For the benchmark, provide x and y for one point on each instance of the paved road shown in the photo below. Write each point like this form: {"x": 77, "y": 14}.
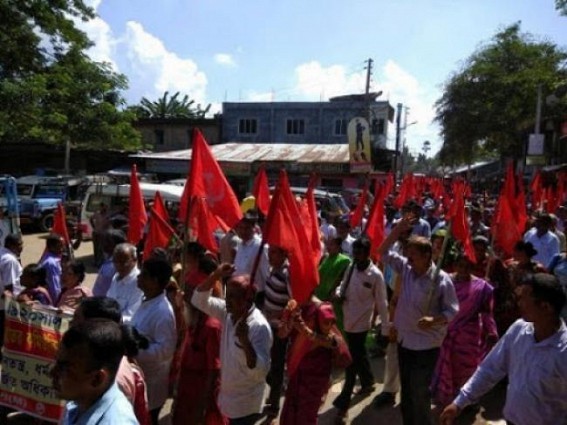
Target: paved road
{"x": 361, "y": 411}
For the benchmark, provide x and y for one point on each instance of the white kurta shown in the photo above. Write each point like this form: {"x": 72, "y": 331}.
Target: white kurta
{"x": 155, "y": 320}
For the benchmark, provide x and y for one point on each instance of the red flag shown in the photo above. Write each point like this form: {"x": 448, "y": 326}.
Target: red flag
{"x": 520, "y": 212}
{"x": 356, "y": 217}
{"x": 375, "y": 227}
{"x": 460, "y": 225}
{"x": 285, "y": 229}
{"x": 60, "y": 224}
{"x": 537, "y": 191}
{"x": 160, "y": 234}
{"x": 389, "y": 184}
{"x": 137, "y": 217}
{"x": 406, "y": 191}
{"x": 261, "y": 191}
{"x": 504, "y": 229}
{"x": 207, "y": 180}
{"x": 159, "y": 207}
{"x": 204, "y": 224}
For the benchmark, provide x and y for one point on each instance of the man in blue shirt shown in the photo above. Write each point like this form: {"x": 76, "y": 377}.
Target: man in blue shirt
{"x": 84, "y": 373}
{"x": 51, "y": 262}
{"x": 532, "y": 354}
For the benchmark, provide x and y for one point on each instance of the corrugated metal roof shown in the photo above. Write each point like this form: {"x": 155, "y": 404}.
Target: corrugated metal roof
{"x": 267, "y": 152}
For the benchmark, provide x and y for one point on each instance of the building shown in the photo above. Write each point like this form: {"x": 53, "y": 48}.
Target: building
{"x": 168, "y": 134}
{"x": 305, "y": 122}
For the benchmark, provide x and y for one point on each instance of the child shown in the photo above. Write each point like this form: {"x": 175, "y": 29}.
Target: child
{"x": 33, "y": 280}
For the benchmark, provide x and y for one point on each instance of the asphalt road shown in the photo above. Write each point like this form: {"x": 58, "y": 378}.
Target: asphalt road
{"x": 361, "y": 411}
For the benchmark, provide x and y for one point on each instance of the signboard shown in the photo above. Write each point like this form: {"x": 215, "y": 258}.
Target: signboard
{"x": 536, "y": 144}
{"x": 32, "y": 336}
{"x": 359, "y": 148}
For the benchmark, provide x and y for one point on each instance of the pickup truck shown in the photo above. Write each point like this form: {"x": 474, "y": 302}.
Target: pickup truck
{"x": 39, "y": 196}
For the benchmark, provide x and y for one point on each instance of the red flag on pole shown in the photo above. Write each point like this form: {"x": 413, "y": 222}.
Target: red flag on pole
{"x": 206, "y": 180}
{"x": 375, "y": 226}
{"x": 356, "y": 217}
{"x": 137, "y": 217}
{"x": 60, "y": 224}
{"x": 204, "y": 224}
{"x": 505, "y": 229}
{"x": 159, "y": 207}
{"x": 160, "y": 234}
{"x": 460, "y": 225}
{"x": 261, "y": 191}
{"x": 313, "y": 231}
{"x": 285, "y": 229}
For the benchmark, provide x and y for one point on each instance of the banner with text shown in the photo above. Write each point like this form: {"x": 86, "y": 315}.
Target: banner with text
{"x": 32, "y": 335}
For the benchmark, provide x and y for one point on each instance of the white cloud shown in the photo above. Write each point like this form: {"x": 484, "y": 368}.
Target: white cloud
{"x": 225, "y": 59}
{"x": 254, "y": 96}
{"x": 315, "y": 81}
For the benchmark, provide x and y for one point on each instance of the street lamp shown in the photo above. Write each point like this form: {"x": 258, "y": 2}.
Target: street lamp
{"x": 402, "y": 162}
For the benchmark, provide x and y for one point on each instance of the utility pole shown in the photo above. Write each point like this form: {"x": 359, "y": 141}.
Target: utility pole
{"x": 402, "y": 158}
{"x": 367, "y": 91}
{"x": 399, "y": 108}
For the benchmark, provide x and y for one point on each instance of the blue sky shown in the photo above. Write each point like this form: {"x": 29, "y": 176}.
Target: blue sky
{"x": 263, "y": 50}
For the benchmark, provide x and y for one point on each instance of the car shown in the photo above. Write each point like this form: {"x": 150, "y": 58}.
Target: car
{"x": 330, "y": 202}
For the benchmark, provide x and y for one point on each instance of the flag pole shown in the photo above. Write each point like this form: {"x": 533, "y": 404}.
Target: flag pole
{"x": 184, "y": 240}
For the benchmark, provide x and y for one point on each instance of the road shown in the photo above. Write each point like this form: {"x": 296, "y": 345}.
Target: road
{"x": 361, "y": 411}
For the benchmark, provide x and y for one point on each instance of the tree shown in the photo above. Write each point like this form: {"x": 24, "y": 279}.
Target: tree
{"x": 50, "y": 91}
{"x": 561, "y": 6}
{"x": 489, "y": 105}
{"x": 169, "y": 107}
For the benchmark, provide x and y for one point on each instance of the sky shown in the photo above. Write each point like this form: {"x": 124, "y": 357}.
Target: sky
{"x": 306, "y": 50}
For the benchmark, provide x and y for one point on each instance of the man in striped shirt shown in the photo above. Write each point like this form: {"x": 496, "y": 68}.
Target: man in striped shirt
{"x": 277, "y": 293}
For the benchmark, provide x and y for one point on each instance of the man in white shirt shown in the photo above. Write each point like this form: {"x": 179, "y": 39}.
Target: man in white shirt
{"x": 533, "y": 354}
{"x": 247, "y": 251}
{"x": 246, "y": 340}
{"x": 343, "y": 232}
{"x": 543, "y": 239}
{"x": 10, "y": 272}
{"x": 124, "y": 286}
{"x": 364, "y": 293}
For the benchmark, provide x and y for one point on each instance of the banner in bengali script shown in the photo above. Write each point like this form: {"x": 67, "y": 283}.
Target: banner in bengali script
{"x": 32, "y": 335}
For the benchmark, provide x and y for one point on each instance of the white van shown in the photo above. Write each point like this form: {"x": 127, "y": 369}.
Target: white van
{"x": 116, "y": 197}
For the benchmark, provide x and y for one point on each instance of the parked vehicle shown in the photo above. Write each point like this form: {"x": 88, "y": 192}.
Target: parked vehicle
{"x": 330, "y": 202}
{"x": 116, "y": 198}
{"x": 9, "y": 209}
{"x": 39, "y": 196}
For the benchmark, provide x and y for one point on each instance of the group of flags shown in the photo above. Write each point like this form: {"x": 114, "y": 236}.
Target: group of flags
{"x": 209, "y": 204}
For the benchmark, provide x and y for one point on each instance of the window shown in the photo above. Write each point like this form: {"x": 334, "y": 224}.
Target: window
{"x": 377, "y": 126}
{"x": 295, "y": 126}
{"x": 340, "y": 127}
{"x": 160, "y": 139}
{"x": 248, "y": 126}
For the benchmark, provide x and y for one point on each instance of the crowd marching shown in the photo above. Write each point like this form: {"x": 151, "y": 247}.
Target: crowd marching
{"x": 466, "y": 291}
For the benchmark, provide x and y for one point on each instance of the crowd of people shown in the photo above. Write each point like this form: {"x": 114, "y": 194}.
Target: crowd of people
{"x": 222, "y": 334}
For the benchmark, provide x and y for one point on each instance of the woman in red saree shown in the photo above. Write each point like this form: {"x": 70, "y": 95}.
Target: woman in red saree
{"x": 315, "y": 340}
{"x": 470, "y": 334}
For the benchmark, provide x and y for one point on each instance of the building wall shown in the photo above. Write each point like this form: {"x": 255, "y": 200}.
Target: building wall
{"x": 319, "y": 120}
{"x": 163, "y": 135}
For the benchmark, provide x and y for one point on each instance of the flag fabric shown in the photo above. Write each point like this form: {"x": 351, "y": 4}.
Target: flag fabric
{"x": 261, "y": 191}
{"x": 60, "y": 224}
{"x": 460, "y": 225}
{"x": 160, "y": 233}
{"x": 505, "y": 231}
{"x": 375, "y": 226}
{"x": 312, "y": 228}
{"x": 285, "y": 228}
{"x": 203, "y": 224}
{"x": 536, "y": 188}
{"x": 206, "y": 180}
{"x": 137, "y": 217}
{"x": 159, "y": 207}
{"x": 406, "y": 191}
{"x": 356, "y": 216}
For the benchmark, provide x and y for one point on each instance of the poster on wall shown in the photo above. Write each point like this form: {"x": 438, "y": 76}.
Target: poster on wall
{"x": 31, "y": 339}
{"x": 360, "y": 151}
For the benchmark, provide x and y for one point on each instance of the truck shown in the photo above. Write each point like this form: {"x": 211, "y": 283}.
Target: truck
{"x": 39, "y": 196}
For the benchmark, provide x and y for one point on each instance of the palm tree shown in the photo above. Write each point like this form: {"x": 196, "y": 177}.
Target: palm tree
{"x": 170, "y": 107}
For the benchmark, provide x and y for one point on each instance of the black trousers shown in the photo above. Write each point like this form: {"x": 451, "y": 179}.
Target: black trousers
{"x": 416, "y": 371}
{"x": 360, "y": 367}
{"x": 276, "y": 374}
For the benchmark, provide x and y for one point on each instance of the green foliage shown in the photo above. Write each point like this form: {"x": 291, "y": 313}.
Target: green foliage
{"x": 489, "y": 105}
{"x": 561, "y": 6}
{"x": 50, "y": 91}
{"x": 169, "y": 107}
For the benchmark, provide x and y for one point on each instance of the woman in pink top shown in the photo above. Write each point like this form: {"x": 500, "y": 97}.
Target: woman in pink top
{"x": 72, "y": 277}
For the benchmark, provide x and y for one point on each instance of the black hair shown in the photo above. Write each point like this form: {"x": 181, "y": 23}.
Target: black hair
{"x": 39, "y": 273}
{"x": 116, "y": 236}
{"x": 101, "y": 308}
{"x": 546, "y": 288}
{"x": 52, "y": 240}
{"x": 158, "y": 269}
{"x": 130, "y": 341}
{"x": 363, "y": 244}
{"x": 103, "y": 340}
{"x": 12, "y": 240}
{"x": 78, "y": 269}
{"x": 206, "y": 263}
{"x": 525, "y": 247}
